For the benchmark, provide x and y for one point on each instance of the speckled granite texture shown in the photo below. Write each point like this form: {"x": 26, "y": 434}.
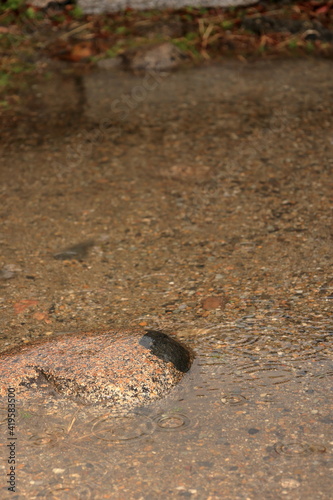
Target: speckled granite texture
{"x": 118, "y": 369}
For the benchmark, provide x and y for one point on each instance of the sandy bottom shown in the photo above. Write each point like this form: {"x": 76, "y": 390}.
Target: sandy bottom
{"x": 200, "y": 206}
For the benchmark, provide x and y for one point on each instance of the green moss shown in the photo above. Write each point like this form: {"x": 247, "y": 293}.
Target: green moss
{"x": 4, "y": 79}
{"x": 191, "y": 36}
{"x": 31, "y": 13}
{"x": 121, "y": 30}
{"x": 17, "y": 69}
{"x": 181, "y": 45}
{"x": 310, "y": 46}
{"x": 11, "y": 5}
{"x": 186, "y": 46}
{"x": 227, "y": 25}
{"x": 292, "y": 44}
{"x": 77, "y": 12}
{"x": 114, "y": 51}
{"x": 58, "y": 18}
{"x": 262, "y": 49}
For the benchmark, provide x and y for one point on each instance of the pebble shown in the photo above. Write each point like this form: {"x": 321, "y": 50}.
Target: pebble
{"x": 9, "y": 271}
{"x": 210, "y": 303}
{"x": 78, "y": 251}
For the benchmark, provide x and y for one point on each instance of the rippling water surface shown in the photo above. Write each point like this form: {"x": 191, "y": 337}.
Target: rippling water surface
{"x": 252, "y": 418}
{"x": 206, "y": 210}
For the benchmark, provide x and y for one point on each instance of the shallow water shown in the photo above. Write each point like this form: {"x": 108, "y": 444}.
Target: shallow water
{"x": 215, "y": 183}
{"x": 252, "y": 419}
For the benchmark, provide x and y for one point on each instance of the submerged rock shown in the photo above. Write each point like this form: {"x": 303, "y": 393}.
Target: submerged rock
{"x": 117, "y": 369}
{"x": 78, "y": 251}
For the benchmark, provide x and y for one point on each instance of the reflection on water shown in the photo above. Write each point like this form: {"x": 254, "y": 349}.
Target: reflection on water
{"x": 253, "y": 416}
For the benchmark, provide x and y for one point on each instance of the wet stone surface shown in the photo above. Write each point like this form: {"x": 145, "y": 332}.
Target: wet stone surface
{"x": 121, "y": 370}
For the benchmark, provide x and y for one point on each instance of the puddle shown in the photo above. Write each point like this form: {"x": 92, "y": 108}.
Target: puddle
{"x": 190, "y": 187}
{"x": 254, "y": 416}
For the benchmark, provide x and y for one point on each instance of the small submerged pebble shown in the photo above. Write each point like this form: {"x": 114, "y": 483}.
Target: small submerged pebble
{"x": 121, "y": 370}
{"x": 77, "y": 252}
{"x": 9, "y": 271}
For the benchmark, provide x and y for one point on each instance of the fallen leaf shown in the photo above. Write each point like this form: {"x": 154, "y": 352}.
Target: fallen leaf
{"x": 323, "y": 10}
{"x": 80, "y": 51}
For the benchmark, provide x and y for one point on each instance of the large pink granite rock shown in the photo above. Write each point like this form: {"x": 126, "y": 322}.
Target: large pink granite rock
{"x": 120, "y": 369}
